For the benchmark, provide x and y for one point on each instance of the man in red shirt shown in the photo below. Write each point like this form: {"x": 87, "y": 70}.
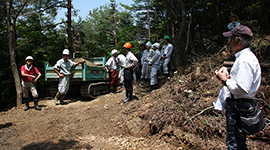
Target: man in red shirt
{"x": 29, "y": 72}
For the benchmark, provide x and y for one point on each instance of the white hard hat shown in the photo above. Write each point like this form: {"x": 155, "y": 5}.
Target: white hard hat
{"x": 148, "y": 44}
{"x": 66, "y": 52}
{"x": 29, "y": 58}
{"x": 114, "y": 51}
{"x": 156, "y": 45}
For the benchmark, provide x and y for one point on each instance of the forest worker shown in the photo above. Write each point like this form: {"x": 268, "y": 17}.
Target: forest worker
{"x": 140, "y": 55}
{"x": 144, "y": 63}
{"x": 130, "y": 62}
{"x": 154, "y": 62}
{"x": 242, "y": 84}
{"x": 28, "y": 72}
{"x": 64, "y": 66}
{"x": 112, "y": 65}
{"x": 166, "y": 53}
{"x": 234, "y": 18}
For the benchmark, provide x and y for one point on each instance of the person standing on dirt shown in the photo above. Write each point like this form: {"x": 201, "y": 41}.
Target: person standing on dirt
{"x": 64, "y": 66}
{"x": 234, "y": 18}
{"x": 112, "y": 65}
{"x": 154, "y": 63}
{"x": 243, "y": 83}
{"x": 130, "y": 62}
{"x": 145, "y": 69}
{"x": 166, "y": 53}
{"x": 28, "y": 72}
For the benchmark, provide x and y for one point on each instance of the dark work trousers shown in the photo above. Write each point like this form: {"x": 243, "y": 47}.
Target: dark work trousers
{"x": 235, "y": 140}
{"x": 128, "y": 76}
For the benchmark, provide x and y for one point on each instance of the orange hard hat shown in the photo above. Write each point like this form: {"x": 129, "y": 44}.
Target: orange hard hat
{"x": 127, "y": 45}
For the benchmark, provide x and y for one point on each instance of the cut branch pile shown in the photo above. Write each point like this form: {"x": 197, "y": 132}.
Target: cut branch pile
{"x": 184, "y": 103}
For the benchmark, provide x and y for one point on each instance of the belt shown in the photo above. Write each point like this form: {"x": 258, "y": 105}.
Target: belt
{"x": 128, "y": 69}
{"x": 27, "y": 81}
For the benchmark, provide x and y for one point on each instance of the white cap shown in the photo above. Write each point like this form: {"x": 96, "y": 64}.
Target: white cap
{"x": 114, "y": 51}
{"x": 66, "y": 52}
{"x": 156, "y": 45}
{"x": 148, "y": 44}
{"x": 29, "y": 58}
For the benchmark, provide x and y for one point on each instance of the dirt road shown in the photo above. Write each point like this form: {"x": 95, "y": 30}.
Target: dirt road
{"x": 81, "y": 124}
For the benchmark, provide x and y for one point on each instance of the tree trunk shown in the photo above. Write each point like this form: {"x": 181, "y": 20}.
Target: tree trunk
{"x": 11, "y": 48}
{"x": 115, "y": 39}
{"x": 180, "y": 45}
{"x": 148, "y": 18}
{"x": 172, "y": 23}
{"x": 69, "y": 28}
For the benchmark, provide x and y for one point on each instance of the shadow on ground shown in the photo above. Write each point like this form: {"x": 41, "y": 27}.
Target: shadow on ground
{"x": 60, "y": 145}
{"x": 5, "y": 125}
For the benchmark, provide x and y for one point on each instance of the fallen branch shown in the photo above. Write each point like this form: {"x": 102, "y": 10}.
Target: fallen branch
{"x": 198, "y": 114}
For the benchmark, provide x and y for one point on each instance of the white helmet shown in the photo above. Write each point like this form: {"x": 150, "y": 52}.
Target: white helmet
{"x": 156, "y": 45}
{"x": 114, "y": 51}
{"x": 66, "y": 52}
{"x": 148, "y": 44}
{"x": 29, "y": 58}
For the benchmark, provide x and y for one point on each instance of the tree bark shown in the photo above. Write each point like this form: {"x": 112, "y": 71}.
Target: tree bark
{"x": 115, "y": 39}
{"x": 190, "y": 20}
{"x": 69, "y": 28}
{"x": 180, "y": 45}
{"x": 148, "y": 18}
{"x": 172, "y": 23}
{"x": 182, "y": 33}
{"x": 11, "y": 47}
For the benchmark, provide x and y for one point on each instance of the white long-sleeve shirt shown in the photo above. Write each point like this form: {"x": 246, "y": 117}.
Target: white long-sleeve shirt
{"x": 245, "y": 75}
{"x": 167, "y": 50}
{"x": 156, "y": 58}
{"x": 131, "y": 60}
{"x": 122, "y": 60}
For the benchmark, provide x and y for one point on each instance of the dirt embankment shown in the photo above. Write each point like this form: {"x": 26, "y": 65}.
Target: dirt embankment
{"x": 177, "y": 115}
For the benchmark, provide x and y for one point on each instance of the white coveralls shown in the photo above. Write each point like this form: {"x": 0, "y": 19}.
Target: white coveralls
{"x": 166, "y": 51}
{"x": 64, "y": 67}
{"x": 144, "y": 62}
{"x": 155, "y": 61}
{"x": 122, "y": 61}
{"x": 149, "y": 57}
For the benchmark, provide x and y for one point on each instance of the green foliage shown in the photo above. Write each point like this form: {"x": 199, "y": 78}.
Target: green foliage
{"x": 96, "y": 34}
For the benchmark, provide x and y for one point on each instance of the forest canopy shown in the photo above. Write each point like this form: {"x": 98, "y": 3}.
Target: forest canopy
{"x": 29, "y": 28}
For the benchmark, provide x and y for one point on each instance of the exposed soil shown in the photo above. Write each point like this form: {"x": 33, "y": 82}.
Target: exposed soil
{"x": 88, "y": 63}
{"x": 169, "y": 117}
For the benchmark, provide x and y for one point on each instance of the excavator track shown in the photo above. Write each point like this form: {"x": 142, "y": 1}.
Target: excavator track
{"x": 92, "y": 90}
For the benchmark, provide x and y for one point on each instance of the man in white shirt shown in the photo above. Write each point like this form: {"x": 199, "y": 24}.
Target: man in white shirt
{"x": 154, "y": 63}
{"x": 130, "y": 62}
{"x": 112, "y": 65}
{"x": 243, "y": 83}
{"x": 166, "y": 53}
{"x": 64, "y": 66}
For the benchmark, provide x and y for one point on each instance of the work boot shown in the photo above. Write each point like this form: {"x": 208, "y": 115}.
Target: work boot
{"x": 151, "y": 88}
{"x": 114, "y": 89}
{"x": 56, "y": 98}
{"x": 62, "y": 99}
{"x": 26, "y": 100}
{"x": 36, "y": 104}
